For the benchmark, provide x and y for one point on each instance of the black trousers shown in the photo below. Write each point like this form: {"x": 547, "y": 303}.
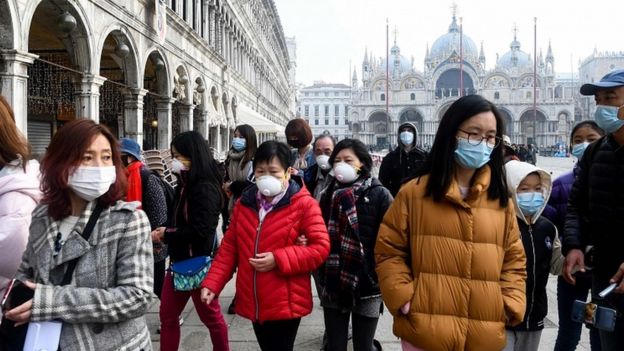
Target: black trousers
{"x": 277, "y": 335}
{"x": 159, "y": 276}
{"x": 337, "y": 328}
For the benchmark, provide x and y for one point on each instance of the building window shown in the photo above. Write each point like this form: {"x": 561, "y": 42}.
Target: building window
{"x": 528, "y": 95}
{"x": 316, "y": 93}
{"x": 306, "y": 110}
{"x": 326, "y": 121}
{"x": 383, "y": 97}
{"x": 306, "y": 94}
{"x": 496, "y": 95}
{"x": 336, "y": 93}
{"x": 336, "y": 121}
{"x": 347, "y": 93}
{"x": 412, "y": 96}
{"x": 316, "y": 111}
{"x": 336, "y": 110}
{"x": 326, "y": 110}
{"x": 346, "y": 109}
{"x": 326, "y": 93}
{"x": 316, "y": 122}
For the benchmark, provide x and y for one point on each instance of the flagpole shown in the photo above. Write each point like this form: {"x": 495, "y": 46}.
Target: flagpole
{"x": 389, "y": 124}
{"x": 461, "y": 57}
{"x": 535, "y": 81}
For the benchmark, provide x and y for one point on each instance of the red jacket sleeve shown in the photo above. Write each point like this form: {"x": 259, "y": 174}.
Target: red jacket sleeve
{"x": 296, "y": 259}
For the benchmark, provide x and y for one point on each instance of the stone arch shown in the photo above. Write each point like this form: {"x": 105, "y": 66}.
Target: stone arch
{"x": 448, "y": 83}
{"x": 497, "y": 80}
{"x": 526, "y": 81}
{"x": 160, "y": 70}
{"x": 379, "y": 123}
{"x": 443, "y": 108}
{"x": 507, "y": 120}
{"x": 528, "y": 129}
{"x": 413, "y": 116}
{"x": 156, "y": 101}
{"x": 130, "y": 62}
{"x": 9, "y": 25}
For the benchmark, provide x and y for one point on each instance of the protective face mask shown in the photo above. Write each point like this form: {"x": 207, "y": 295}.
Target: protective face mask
{"x": 530, "y": 203}
{"x": 323, "y": 162}
{"x": 177, "y": 166}
{"x": 239, "y": 144}
{"x": 579, "y": 149}
{"x": 472, "y": 156}
{"x": 345, "y": 173}
{"x": 607, "y": 118}
{"x": 92, "y": 182}
{"x": 268, "y": 185}
{"x": 407, "y": 138}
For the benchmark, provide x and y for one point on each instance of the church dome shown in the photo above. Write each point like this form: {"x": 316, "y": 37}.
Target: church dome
{"x": 404, "y": 65}
{"x": 445, "y": 45}
{"x": 515, "y": 58}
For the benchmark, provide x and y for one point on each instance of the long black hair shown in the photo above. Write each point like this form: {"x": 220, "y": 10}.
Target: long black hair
{"x": 251, "y": 144}
{"x": 440, "y": 164}
{"x": 360, "y": 150}
{"x": 192, "y": 145}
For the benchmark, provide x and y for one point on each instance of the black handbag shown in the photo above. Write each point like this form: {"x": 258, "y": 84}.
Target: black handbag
{"x": 12, "y": 338}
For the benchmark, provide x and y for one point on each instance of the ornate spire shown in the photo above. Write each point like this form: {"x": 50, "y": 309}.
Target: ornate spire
{"x": 549, "y": 53}
{"x": 454, "y": 27}
{"x": 482, "y": 55}
{"x": 365, "y": 62}
{"x": 515, "y": 44}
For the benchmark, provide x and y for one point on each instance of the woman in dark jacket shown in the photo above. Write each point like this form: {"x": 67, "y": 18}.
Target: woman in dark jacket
{"x": 193, "y": 234}
{"x": 353, "y": 207}
{"x": 569, "y": 332}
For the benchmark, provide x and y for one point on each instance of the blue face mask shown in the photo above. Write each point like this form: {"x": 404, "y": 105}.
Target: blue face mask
{"x": 239, "y": 144}
{"x": 530, "y": 203}
{"x": 607, "y": 118}
{"x": 472, "y": 156}
{"x": 579, "y": 149}
{"x": 407, "y": 138}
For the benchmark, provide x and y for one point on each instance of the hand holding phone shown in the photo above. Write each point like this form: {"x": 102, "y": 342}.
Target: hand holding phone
{"x": 609, "y": 289}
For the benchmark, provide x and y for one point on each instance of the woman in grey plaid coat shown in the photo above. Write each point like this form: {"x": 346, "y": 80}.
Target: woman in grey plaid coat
{"x": 103, "y": 306}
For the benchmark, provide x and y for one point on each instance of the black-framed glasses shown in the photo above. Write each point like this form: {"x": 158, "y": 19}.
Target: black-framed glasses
{"x": 476, "y": 139}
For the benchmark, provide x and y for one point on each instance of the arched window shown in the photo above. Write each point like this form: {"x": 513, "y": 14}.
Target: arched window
{"x": 496, "y": 95}
{"x": 412, "y": 96}
{"x": 383, "y": 97}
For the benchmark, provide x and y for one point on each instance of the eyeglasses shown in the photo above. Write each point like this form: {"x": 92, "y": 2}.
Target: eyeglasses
{"x": 476, "y": 139}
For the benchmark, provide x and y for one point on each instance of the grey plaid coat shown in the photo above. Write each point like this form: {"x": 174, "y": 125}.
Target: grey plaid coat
{"x": 104, "y": 306}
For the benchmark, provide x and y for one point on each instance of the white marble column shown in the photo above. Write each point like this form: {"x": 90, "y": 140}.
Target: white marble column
{"x": 186, "y": 117}
{"x": 163, "y": 111}
{"x": 14, "y": 84}
{"x": 88, "y": 97}
{"x": 133, "y": 114}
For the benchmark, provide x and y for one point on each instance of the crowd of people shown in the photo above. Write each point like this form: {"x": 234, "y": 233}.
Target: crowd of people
{"x": 456, "y": 242}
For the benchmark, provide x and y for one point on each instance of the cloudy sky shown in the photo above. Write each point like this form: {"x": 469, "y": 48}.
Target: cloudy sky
{"x": 332, "y": 33}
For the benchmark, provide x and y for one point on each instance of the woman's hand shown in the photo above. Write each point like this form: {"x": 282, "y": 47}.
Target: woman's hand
{"x": 301, "y": 240}
{"x": 405, "y": 308}
{"x": 22, "y": 313}
{"x": 158, "y": 235}
{"x": 207, "y": 296}
{"x": 263, "y": 262}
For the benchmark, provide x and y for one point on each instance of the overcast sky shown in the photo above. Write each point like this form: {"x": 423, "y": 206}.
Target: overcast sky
{"x": 330, "y": 33}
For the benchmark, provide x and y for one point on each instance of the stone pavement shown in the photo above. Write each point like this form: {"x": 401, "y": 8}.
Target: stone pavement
{"x": 195, "y": 335}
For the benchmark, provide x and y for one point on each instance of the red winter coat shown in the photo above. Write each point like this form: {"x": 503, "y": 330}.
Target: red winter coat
{"x": 284, "y": 292}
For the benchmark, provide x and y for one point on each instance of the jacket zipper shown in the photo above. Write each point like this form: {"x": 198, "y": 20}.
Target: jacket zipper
{"x": 534, "y": 278}
{"x": 255, "y": 285}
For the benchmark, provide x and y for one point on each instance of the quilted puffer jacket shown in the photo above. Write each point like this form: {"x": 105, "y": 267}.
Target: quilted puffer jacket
{"x": 284, "y": 292}
{"x": 459, "y": 262}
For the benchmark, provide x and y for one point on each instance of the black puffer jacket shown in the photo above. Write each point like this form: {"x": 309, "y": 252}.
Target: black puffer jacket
{"x": 596, "y": 207}
{"x": 197, "y": 214}
{"x": 538, "y": 240}
{"x": 371, "y": 207}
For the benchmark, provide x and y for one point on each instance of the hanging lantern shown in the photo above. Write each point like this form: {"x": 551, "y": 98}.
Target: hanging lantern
{"x": 122, "y": 50}
{"x": 182, "y": 79}
{"x": 66, "y": 22}
{"x": 159, "y": 65}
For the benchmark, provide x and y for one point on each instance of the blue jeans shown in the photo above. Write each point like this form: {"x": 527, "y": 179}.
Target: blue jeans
{"x": 569, "y": 332}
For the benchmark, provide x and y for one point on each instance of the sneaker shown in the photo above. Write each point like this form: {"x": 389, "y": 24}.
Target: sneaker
{"x": 181, "y": 320}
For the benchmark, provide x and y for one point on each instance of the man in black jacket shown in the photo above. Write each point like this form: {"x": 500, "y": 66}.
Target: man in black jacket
{"x": 403, "y": 161}
{"x": 596, "y": 206}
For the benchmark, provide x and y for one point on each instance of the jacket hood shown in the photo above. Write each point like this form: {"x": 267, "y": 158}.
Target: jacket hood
{"x": 413, "y": 127}
{"x": 14, "y": 179}
{"x": 516, "y": 172}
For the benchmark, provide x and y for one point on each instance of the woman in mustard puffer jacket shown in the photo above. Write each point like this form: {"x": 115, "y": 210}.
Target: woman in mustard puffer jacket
{"x": 450, "y": 262}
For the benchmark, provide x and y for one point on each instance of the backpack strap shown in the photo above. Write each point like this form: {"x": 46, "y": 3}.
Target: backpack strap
{"x": 86, "y": 234}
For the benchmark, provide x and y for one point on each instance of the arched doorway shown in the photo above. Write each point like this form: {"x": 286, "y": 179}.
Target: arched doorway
{"x": 118, "y": 65}
{"x": 59, "y": 37}
{"x": 449, "y": 84}
{"x": 414, "y": 117}
{"x": 532, "y": 127}
{"x": 509, "y": 128}
{"x": 156, "y": 104}
{"x": 378, "y": 123}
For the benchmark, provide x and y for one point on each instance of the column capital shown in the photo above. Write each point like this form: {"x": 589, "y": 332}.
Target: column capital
{"x": 19, "y": 56}
{"x": 94, "y": 79}
{"x": 135, "y": 93}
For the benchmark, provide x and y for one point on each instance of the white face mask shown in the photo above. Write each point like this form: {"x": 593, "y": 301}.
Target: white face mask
{"x": 323, "y": 162}
{"x": 177, "y": 166}
{"x": 92, "y": 182}
{"x": 268, "y": 185}
{"x": 345, "y": 173}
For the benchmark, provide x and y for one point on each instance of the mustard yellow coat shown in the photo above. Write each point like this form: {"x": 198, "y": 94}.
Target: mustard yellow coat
{"x": 460, "y": 263}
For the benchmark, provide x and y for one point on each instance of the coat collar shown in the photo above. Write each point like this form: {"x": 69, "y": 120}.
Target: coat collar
{"x": 248, "y": 198}
{"x": 480, "y": 184}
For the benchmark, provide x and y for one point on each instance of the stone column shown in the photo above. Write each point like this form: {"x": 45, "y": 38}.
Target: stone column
{"x": 186, "y": 117}
{"x": 202, "y": 125}
{"x": 88, "y": 97}
{"x": 14, "y": 84}
{"x": 163, "y": 111}
{"x": 133, "y": 114}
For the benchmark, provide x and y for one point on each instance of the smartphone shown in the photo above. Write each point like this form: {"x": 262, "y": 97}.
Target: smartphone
{"x": 608, "y": 290}
{"x": 16, "y": 294}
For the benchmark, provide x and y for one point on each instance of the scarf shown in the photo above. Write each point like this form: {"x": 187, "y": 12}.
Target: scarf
{"x": 234, "y": 165}
{"x": 346, "y": 254}
{"x": 135, "y": 189}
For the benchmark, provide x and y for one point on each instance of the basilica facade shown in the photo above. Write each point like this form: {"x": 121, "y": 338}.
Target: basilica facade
{"x": 423, "y": 96}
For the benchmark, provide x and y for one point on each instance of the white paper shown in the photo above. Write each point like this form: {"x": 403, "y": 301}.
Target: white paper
{"x": 43, "y": 336}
